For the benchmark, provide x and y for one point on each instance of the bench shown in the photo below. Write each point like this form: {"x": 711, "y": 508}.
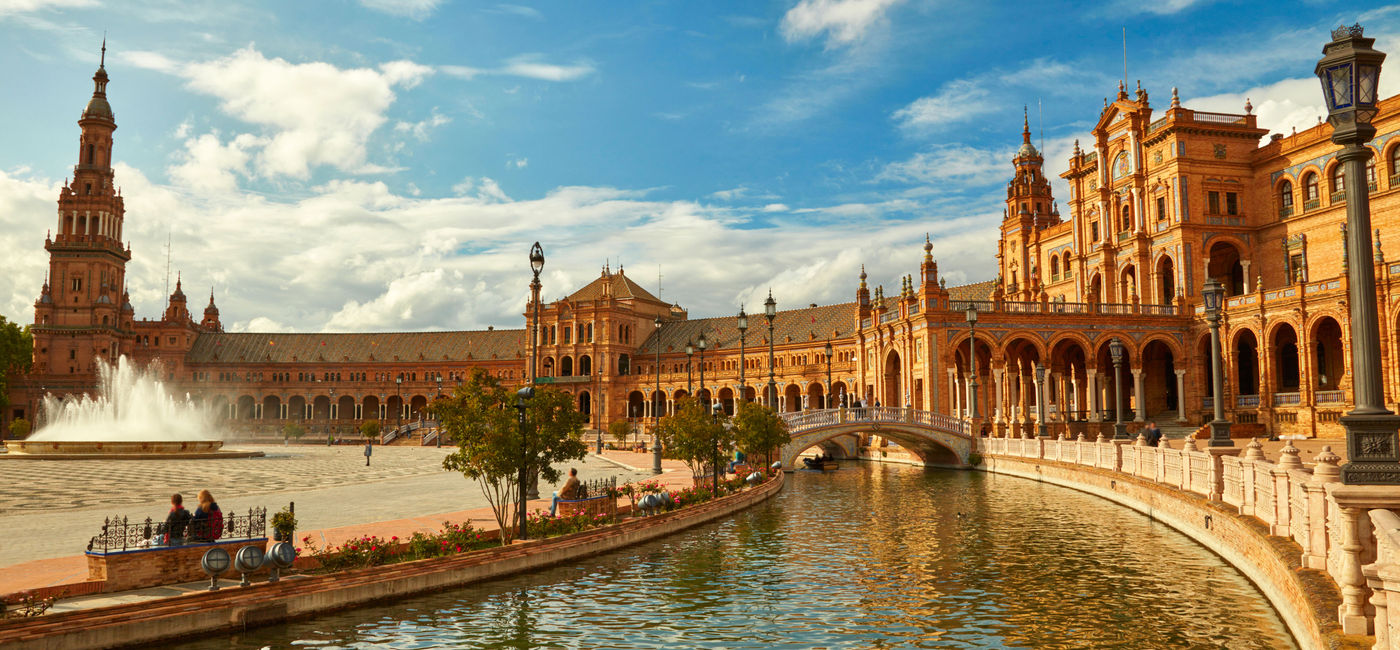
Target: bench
{"x": 124, "y": 555}
{"x": 603, "y": 505}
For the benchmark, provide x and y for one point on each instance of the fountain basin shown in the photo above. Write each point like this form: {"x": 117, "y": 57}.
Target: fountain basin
{"x": 124, "y": 449}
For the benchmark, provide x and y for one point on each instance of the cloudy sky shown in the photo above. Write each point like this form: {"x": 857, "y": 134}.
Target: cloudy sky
{"x": 386, "y": 164}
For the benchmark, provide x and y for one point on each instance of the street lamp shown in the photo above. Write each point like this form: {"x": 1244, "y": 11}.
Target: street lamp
{"x": 718, "y": 412}
{"x": 701, "y": 344}
{"x": 1350, "y": 70}
{"x": 1115, "y": 349}
{"x": 770, "y": 311}
{"x": 437, "y": 440}
{"x": 1040, "y": 401}
{"x": 521, "y": 395}
{"x": 536, "y": 265}
{"x": 743, "y": 329}
{"x": 972, "y": 355}
{"x": 655, "y": 416}
{"x": 398, "y": 392}
{"x": 827, "y": 398}
{"x": 689, "y": 385}
{"x": 1213, "y": 295}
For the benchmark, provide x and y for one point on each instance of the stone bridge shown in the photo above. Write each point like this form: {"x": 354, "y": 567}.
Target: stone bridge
{"x": 937, "y": 439}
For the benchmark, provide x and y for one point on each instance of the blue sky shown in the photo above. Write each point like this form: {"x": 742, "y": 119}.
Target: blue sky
{"x": 385, "y": 164}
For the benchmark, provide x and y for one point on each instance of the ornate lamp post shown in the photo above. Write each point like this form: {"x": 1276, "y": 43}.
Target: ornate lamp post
{"x": 1350, "y": 71}
{"x": 689, "y": 386}
{"x": 743, "y": 329}
{"x": 438, "y": 438}
{"x": 398, "y": 392}
{"x": 655, "y": 416}
{"x": 521, "y": 395}
{"x": 1040, "y": 429}
{"x": 536, "y": 265}
{"x": 770, "y": 311}
{"x": 701, "y": 343}
{"x": 1115, "y": 349}
{"x": 972, "y": 355}
{"x": 828, "y": 351}
{"x": 718, "y": 412}
{"x": 1213, "y": 295}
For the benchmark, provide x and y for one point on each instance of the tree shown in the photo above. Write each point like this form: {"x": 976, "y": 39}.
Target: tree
{"x": 369, "y": 428}
{"x": 480, "y": 415}
{"x": 16, "y": 354}
{"x": 292, "y": 430}
{"x": 758, "y": 430}
{"x": 693, "y": 435}
{"x": 620, "y": 430}
{"x": 19, "y": 429}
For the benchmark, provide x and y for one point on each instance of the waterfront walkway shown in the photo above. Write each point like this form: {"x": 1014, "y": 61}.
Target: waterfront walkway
{"x": 372, "y": 500}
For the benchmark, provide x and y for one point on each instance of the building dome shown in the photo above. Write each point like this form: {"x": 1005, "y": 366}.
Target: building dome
{"x": 1027, "y": 150}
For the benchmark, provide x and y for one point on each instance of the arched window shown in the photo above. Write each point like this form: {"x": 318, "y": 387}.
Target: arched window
{"x": 1395, "y": 166}
{"x": 1285, "y": 199}
{"x": 1054, "y": 266}
{"x": 1371, "y": 174}
{"x": 91, "y": 154}
{"x": 1310, "y": 189}
{"x": 1127, "y": 217}
{"x": 1338, "y": 182}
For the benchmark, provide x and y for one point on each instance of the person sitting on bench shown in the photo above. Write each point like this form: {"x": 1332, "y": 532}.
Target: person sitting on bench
{"x": 566, "y": 493}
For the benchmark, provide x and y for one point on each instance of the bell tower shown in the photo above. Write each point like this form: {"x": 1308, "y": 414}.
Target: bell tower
{"x": 1030, "y": 208}
{"x": 78, "y": 315}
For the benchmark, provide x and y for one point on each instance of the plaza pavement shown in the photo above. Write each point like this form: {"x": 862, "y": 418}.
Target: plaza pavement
{"x": 403, "y": 491}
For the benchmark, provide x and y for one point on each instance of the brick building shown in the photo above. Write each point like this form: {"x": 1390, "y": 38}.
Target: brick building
{"x": 1158, "y": 203}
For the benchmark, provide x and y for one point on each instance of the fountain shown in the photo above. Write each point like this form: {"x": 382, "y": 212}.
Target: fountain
{"x": 132, "y": 415}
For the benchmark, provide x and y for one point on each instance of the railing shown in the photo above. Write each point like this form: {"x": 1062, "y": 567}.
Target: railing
{"x": 1124, "y": 235}
{"x": 1285, "y": 212}
{"x": 1157, "y": 310}
{"x": 1224, "y": 221}
{"x": 801, "y": 421}
{"x": 597, "y": 487}
{"x": 1330, "y": 397}
{"x": 1156, "y": 125}
{"x": 1287, "y": 399}
{"x": 1337, "y": 197}
{"x": 1247, "y": 401}
{"x": 1312, "y": 204}
{"x": 122, "y": 534}
{"x": 888, "y": 316}
{"x": 1217, "y": 118}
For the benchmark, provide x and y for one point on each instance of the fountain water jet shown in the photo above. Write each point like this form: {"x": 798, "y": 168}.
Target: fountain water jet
{"x": 132, "y": 414}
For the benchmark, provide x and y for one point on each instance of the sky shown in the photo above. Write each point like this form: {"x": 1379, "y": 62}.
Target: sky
{"x": 379, "y": 165}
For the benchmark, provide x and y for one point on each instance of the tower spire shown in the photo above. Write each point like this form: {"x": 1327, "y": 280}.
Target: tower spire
{"x": 103, "y": 62}
{"x": 1026, "y": 124}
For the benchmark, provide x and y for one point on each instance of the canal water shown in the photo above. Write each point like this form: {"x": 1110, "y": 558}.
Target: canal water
{"x": 866, "y": 556}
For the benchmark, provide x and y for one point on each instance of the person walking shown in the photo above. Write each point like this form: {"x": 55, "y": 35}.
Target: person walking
{"x": 1152, "y": 434}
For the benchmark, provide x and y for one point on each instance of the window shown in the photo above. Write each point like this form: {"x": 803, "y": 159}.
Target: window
{"x": 1127, "y": 217}
{"x": 1213, "y": 203}
{"x": 1285, "y": 196}
{"x": 77, "y": 284}
{"x": 1371, "y": 175}
{"x": 1161, "y": 208}
{"x": 568, "y": 331}
{"x": 1232, "y": 203}
{"x": 1054, "y": 266}
{"x": 1093, "y": 231}
{"x": 1394, "y": 164}
{"x": 1339, "y": 180}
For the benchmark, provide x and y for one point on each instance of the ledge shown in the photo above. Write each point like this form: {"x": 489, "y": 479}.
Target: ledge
{"x": 231, "y": 610}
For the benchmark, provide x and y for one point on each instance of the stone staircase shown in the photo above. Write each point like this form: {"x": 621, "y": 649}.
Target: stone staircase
{"x": 1171, "y": 430}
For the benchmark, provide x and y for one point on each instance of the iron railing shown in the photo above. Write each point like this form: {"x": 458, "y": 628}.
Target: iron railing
{"x": 598, "y": 487}
{"x": 122, "y": 534}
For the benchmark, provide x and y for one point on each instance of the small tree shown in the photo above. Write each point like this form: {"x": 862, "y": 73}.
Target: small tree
{"x": 480, "y": 415}
{"x": 19, "y": 429}
{"x": 292, "y": 430}
{"x": 693, "y": 435}
{"x": 16, "y": 354}
{"x": 620, "y": 430}
{"x": 369, "y": 429}
{"x": 758, "y": 430}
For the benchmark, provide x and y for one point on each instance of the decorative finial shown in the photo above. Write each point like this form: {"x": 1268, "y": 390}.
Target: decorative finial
{"x": 1120, "y": 86}
{"x": 942, "y": 283}
{"x": 103, "y": 62}
{"x": 1077, "y": 150}
{"x": 1380, "y": 257}
{"x": 1176, "y": 99}
{"x": 1342, "y": 31}
{"x": 928, "y": 248}
{"x": 1026, "y": 124}
{"x": 1248, "y": 107}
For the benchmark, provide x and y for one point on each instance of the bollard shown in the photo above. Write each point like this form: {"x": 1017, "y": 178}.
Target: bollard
{"x": 214, "y": 562}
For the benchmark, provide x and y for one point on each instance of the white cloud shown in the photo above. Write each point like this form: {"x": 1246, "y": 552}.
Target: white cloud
{"x": 415, "y": 9}
{"x": 311, "y": 114}
{"x": 8, "y": 7}
{"x": 421, "y": 129}
{"x": 955, "y": 101}
{"x": 518, "y": 163}
{"x": 776, "y": 207}
{"x": 529, "y": 66}
{"x": 730, "y": 194}
{"x": 842, "y": 21}
{"x": 964, "y": 165}
{"x": 517, "y": 10}
{"x": 1158, "y": 8}
{"x": 209, "y": 165}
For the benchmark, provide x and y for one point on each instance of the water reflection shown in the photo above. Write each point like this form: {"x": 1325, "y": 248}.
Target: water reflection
{"x": 869, "y": 556}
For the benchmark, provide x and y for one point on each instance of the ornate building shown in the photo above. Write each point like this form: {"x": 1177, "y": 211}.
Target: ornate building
{"x": 1157, "y": 204}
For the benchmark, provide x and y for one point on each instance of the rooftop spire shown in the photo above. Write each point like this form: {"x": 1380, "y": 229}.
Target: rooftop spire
{"x": 103, "y": 62}
{"x": 1026, "y": 124}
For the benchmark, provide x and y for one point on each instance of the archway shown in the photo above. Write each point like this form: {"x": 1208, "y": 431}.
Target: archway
{"x": 585, "y": 405}
{"x": 1226, "y": 268}
{"x": 547, "y": 368}
{"x": 1166, "y": 280}
{"x": 636, "y": 403}
{"x": 272, "y": 407}
{"x": 369, "y": 408}
{"x": 726, "y": 400}
{"x": 416, "y": 407}
{"x": 1287, "y": 377}
{"x": 1096, "y": 288}
{"x": 816, "y": 395}
{"x": 1114, "y": 383}
{"x": 321, "y": 408}
{"x": 1246, "y": 351}
{"x": 246, "y": 409}
{"x": 296, "y": 407}
{"x": 1327, "y": 351}
{"x": 658, "y": 403}
{"x": 1070, "y": 389}
{"x": 566, "y": 366}
{"x": 585, "y": 366}
{"x": 1159, "y": 394}
{"x": 792, "y": 398}
{"x": 1127, "y": 286}
{"x": 345, "y": 408}
{"x": 395, "y": 410}
{"x": 894, "y": 396}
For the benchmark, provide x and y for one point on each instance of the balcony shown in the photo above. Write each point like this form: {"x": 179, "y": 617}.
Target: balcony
{"x": 1247, "y": 401}
{"x": 1285, "y": 212}
{"x": 1330, "y": 397}
{"x": 1124, "y": 235}
{"x": 1394, "y": 180}
{"x": 1337, "y": 197}
{"x": 1287, "y": 399}
{"x": 1312, "y": 204}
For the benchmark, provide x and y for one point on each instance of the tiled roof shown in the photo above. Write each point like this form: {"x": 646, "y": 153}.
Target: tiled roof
{"x": 618, "y": 285}
{"x": 357, "y": 348}
{"x": 807, "y": 324}
{"x": 974, "y": 291}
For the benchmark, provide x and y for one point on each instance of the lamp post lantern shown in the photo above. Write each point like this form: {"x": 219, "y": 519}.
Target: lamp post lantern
{"x": 689, "y": 385}
{"x": 1040, "y": 428}
{"x": 972, "y": 357}
{"x": 536, "y": 265}
{"x": 770, "y": 311}
{"x": 1115, "y": 349}
{"x": 1350, "y": 71}
{"x": 1213, "y": 295}
{"x": 827, "y": 398}
{"x": 655, "y": 416}
{"x": 743, "y": 325}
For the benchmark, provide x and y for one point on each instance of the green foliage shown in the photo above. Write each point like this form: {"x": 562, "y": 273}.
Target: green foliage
{"x": 758, "y": 430}
{"x": 480, "y": 415}
{"x": 16, "y": 354}
{"x": 19, "y": 429}
{"x": 285, "y": 521}
{"x": 543, "y": 525}
{"x": 974, "y": 459}
{"x": 693, "y": 435}
{"x": 369, "y": 428}
{"x": 292, "y": 430}
{"x": 366, "y": 551}
{"x": 620, "y": 430}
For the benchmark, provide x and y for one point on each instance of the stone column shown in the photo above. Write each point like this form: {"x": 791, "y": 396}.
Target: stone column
{"x": 1245, "y": 265}
{"x": 1181, "y": 396}
{"x": 1092, "y": 393}
{"x": 1138, "y": 396}
{"x": 953, "y": 391}
{"x": 999, "y": 374}
{"x": 1038, "y": 393}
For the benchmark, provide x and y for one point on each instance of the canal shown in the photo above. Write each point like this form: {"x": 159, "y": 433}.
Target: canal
{"x": 866, "y": 556}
